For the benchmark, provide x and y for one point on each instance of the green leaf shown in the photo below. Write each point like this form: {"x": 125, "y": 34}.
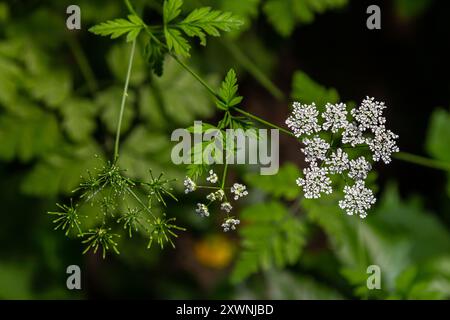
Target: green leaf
{"x": 410, "y": 9}
{"x": 50, "y": 87}
{"x": 203, "y": 21}
{"x": 108, "y": 102}
{"x": 396, "y": 235}
{"x": 171, "y": 10}
{"x": 271, "y": 236}
{"x": 15, "y": 281}
{"x": 306, "y": 90}
{"x": 438, "y": 135}
{"x": 78, "y": 119}
{"x": 438, "y": 138}
{"x": 118, "y": 27}
{"x": 161, "y": 104}
{"x": 28, "y": 134}
{"x": 176, "y": 41}
{"x": 284, "y": 15}
{"x": 246, "y": 10}
{"x": 119, "y": 69}
{"x": 60, "y": 172}
{"x": 154, "y": 54}
{"x": 280, "y": 15}
{"x": 281, "y": 185}
{"x": 228, "y": 91}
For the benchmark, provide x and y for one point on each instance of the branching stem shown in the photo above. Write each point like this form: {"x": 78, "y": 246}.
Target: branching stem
{"x": 277, "y": 93}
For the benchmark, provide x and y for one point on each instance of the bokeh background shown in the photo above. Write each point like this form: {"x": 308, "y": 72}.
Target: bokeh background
{"x": 59, "y": 100}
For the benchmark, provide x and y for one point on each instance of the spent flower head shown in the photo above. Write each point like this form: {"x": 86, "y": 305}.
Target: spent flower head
{"x": 67, "y": 219}
{"x": 101, "y": 238}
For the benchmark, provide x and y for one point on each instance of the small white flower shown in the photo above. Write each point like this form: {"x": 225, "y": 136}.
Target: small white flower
{"x": 211, "y": 196}
{"x": 335, "y": 116}
{"x": 202, "y": 210}
{"x": 383, "y": 144}
{"x": 357, "y": 200}
{"x": 338, "y": 162}
{"x": 213, "y": 178}
{"x": 352, "y": 135}
{"x": 369, "y": 115}
{"x": 226, "y": 206}
{"x": 315, "y": 149}
{"x": 359, "y": 168}
{"x": 230, "y": 223}
{"x": 303, "y": 119}
{"x": 315, "y": 182}
{"x": 219, "y": 194}
{"x": 239, "y": 190}
{"x": 189, "y": 185}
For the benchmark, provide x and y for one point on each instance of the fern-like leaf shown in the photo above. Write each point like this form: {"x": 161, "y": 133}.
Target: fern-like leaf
{"x": 118, "y": 27}
{"x": 271, "y": 236}
{"x": 228, "y": 91}
{"x": 204, "y": 21}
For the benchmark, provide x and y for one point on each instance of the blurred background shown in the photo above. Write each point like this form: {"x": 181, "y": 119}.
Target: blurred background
{"x": 59, "y": 100}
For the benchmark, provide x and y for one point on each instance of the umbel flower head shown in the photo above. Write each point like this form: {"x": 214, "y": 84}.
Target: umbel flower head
{"x": 327, "y": 139}
{"x": 217, "y": 195}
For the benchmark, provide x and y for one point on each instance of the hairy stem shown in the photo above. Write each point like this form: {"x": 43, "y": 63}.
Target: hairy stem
{"x": 124, "y": 98}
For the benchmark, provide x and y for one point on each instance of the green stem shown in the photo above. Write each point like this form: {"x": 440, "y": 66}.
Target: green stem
{"x": 124, "y": 98}
{"x": 267, "y": 123}
{"x": 130, "y": 8}
{"x": 140, "y": 202}
{"x": 83, "y": 63}
{"x": 265, "y": 81}
{"x": 253, "y": 69}
{"x": 195, "y": 75}
{"x": 224, "y": 177}
{"x": 208, "y": 187}
{"x": 422, "y": 161}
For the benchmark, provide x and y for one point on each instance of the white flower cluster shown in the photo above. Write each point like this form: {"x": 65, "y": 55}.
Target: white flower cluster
{"x": 189, "y": 185}
{"x": 213, "y": 178}
{"x": 239, "y": 191}
{"x": 363, "y": 130}
{"x": 202, "y": 210}
{"x": 218, "y": 194}
{"x": 230, "y": 223}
